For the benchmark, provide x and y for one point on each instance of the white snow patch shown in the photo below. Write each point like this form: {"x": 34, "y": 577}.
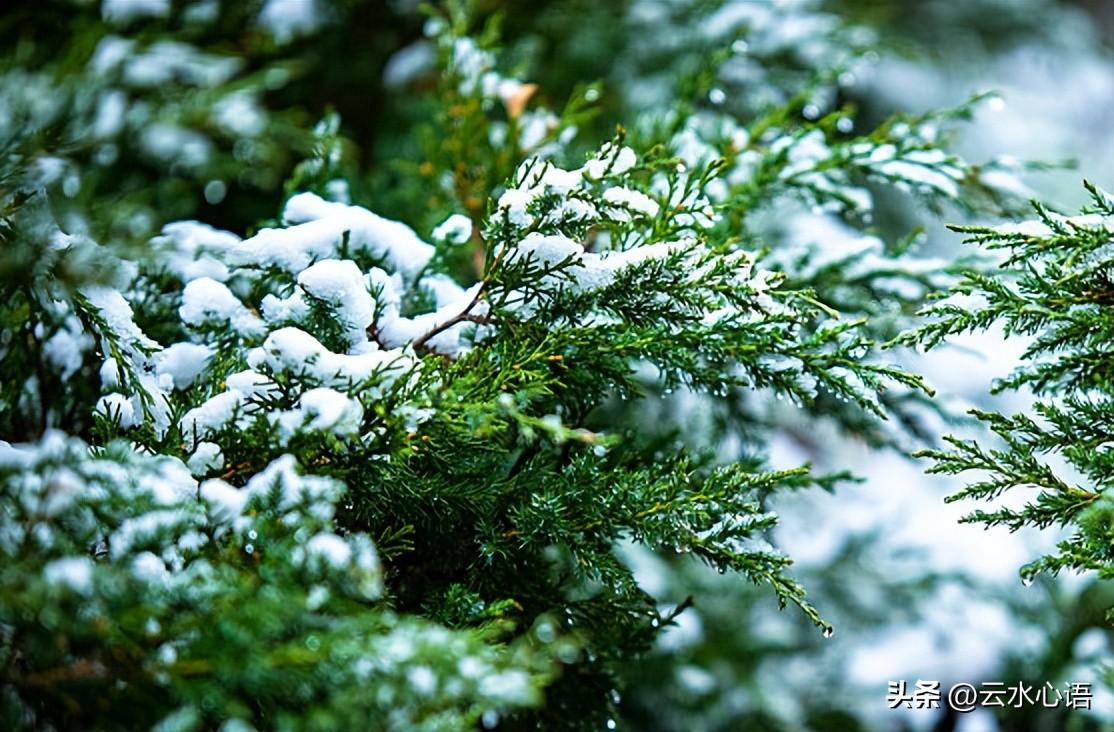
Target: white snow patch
{"x": 319, "y": 228}
{"x": 208, "y": 302}
{"x": 330, "y": 547}
{"x": 206, "y": 457}
{"x": 74, "y": 573}
{"x": 125, "y": 11}
{"x": 183, "y": 362}
{"x": 456, "y": 229}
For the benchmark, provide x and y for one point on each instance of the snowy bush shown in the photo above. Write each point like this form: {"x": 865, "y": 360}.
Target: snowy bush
{"x": 385, "y": 456}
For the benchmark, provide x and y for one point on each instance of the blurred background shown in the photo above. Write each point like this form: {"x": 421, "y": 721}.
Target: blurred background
{"x": 158, "y": 110}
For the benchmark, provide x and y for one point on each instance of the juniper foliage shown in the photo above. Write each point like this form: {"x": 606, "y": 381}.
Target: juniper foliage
{"x": 1055, "y": 289}
{"x": 347, "y": 471}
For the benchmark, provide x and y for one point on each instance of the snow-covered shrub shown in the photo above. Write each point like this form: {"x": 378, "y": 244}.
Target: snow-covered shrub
{"x": 135, "y": 596}
{"x": 342, "y": 471}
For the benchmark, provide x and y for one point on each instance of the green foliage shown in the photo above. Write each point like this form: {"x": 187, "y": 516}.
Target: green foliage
{"x": 127, "y": 602}
{"x": 1055, "y": 287}
{"x": 333, "y": 476}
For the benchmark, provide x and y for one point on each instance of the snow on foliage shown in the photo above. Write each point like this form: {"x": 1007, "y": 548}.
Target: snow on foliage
{"x": 393, "y": 468}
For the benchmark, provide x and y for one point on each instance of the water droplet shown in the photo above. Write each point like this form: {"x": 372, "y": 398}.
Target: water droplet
{"x": 546, "y": 632}
{"x": 740, "y": 46}
{"x": 489, "y": 719}
{"x": 845, "y": 125}
{"x": 215, "y": 191}
{"x": 811, "y": 111}
{"x": 1027, "y": 581}
{"x": 611, "y": 724}
{"x": 717, "y": 96}
{"x": 615, "y": 697}
{"x": 846, "y": 79}
{"x": 253, "y": 535}
{"x": 249, "y": 548}
{"x": 829, "y": 631}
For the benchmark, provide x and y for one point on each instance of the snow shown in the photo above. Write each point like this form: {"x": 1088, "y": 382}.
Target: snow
{"x": 422, "y": 680}
{"x": 318, "y": 231}
{"x": 196, "y": 250}
{"x": 120, "y": 408}
{"x": 634, "y": 201}
{"x": 331, "y": 548}
{"x": 65, "y": 350}
{"x": 321, "y": 409}
{"x": 341, "y": 284}
{"x": 193, "y": 237}
{"x": 611, "y": 160}
{"x": 443, "y": 288}
{"x": 183, "y": 362}
{"x": 574, "y": 191}
{"x": 547, "y": 251}
{"x": 166, "y": 62}
{"x": 511, "y": 686}
{"x": 1034, "y": 229}
{"x": 692, "y": 148}
{"x": 587, "y": 271}
{"x": 147, "y": 567}
{"x": 409, "y": 63}
{"x": 169, "y": 481}
{"x": 282, "y": 310}
{"x": 919, "y": 174}
{"x": 293, "y": 351}
{"x": 120, "y": 318}
{"x": 208, "y": 302}
{"x": 804, "y": 153}
{"x": 456, "y": 229}
{"x": 535, "y": 174}
{"x": 396, "y": 331}
{"x": 471, "y": 62}
{"x": 288, "y": 19}
{"x": 239, "y": 114}
{"x": 125, "y": 11}
{"x": 225, "y": 502}
{"x": 303, "y": 207}
{"x": 143, "y": 528}
{"x": 73, "y": 573}
{"x": 172, "y": 143}
{"x": 280, "y": 475}
{"x": 112, "y": 105}
{"x": 252, "y": 383}
{"x": 206, "y": 458}
{"x": 515, "y": 203}
{"x": 213, "y": 415}
{"x": 572, "y": 210}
